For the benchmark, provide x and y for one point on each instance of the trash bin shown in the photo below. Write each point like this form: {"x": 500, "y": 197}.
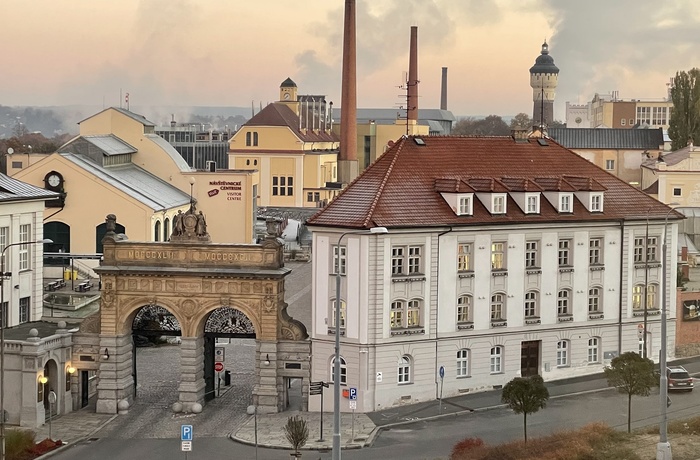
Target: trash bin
{"x": 227, "y": 378}
{"x": 67, "y": 273}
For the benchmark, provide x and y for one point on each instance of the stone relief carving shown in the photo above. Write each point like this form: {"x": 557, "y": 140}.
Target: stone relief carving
{"x": 189, "y": 308}
{"x": 91, "y": 324}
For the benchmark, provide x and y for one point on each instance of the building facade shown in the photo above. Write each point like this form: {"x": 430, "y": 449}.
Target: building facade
{"x": 673, "y": 177}
{"x": 202, "y": 149}
{"x": 610, "y": 111}
{"x": 530, "y": 263}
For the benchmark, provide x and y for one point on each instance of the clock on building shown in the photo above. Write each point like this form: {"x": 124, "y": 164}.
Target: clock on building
{"x": 54, "y": 181}
{"x": 287, "y": 96}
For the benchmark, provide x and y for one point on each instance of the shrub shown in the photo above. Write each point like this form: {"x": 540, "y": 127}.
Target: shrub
{"x": 465, "y": 446}
{"x": 297, "y": 432}
{"x": 18, "y": 443}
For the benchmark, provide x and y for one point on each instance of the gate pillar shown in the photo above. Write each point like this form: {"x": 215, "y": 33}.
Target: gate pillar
{"x": 192, "y": 368}
{"x": 116, "y": 381}
{"x": 265, "y": 392}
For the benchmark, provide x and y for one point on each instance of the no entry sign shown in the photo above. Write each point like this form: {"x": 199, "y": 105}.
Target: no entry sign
{"x": 218, "y": 367}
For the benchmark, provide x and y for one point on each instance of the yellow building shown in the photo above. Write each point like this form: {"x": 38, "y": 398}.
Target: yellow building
{"x": 292, "y": 145}
{"x": 118, "y": 165}
{"x": 674, "y": 177}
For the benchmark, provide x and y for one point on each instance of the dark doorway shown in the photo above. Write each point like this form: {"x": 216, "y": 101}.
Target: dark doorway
{"x": 530, "y": 358}
{"x": 100, "y": 232}
{"x": 59, "y": 233}
{"x": 292, "y": 396}
{"x": 84, "y": 388}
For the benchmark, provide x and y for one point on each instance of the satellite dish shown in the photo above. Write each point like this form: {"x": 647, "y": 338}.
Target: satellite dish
{"x": 10, "y": 150}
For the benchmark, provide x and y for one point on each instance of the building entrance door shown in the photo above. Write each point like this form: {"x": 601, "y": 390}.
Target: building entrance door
{"x": 530, "y": 358}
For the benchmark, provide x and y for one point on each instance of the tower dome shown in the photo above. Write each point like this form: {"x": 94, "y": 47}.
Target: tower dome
{"x": 544, "y": 62}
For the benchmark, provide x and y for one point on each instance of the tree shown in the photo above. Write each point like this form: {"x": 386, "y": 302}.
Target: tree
{"x": 297, "y": 432}
{"x": 464, "y": 126}
{"x": 684, "y": 123}
{"x": 493, "y": 125}
{"x": 525, "y": 395}
{"x": 521, "y": 120}
{"x": 631, "y": 375}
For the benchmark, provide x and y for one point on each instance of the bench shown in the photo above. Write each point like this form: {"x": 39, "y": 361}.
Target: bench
{"x": 55, "y": 285}
{"x": 84, "y": 286}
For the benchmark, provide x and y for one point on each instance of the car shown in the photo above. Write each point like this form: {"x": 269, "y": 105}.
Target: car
{"x": 679, "y": 379}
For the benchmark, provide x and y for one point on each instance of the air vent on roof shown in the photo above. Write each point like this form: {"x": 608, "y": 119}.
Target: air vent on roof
{"x": 542, "y": 141}
{"x": 418, "y": 141}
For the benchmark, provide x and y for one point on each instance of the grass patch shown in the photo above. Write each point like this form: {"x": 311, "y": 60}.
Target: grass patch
{"x": 18, "y": 444}
{"x": 596, "y": 441}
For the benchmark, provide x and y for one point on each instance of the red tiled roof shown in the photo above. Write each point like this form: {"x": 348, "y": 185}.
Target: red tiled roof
{"x": 402, "y": 188}
{"x": 277, "y": 114}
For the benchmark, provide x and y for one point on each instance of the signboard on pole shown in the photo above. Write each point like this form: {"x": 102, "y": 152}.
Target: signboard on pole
{"x": 353, "y": 404}
{"x": 219, "y": 354}
{"x": 316, "y": 388}
{"x": 186, "y": 446}
{"x": 186, "y": 433}
{"x": 640, "y": 330}
{"x": 353, "y": 394}
{"x": 218, "y": 367}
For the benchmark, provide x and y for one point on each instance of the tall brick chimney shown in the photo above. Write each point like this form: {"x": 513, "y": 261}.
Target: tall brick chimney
{"x": 443, "y": 90}
{"x": 412, "y": 110}
{"x": 347, "y": 160}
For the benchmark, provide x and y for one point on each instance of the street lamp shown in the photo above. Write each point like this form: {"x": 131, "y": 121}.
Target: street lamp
{"x": 663, "y": 448}
{"x": 336, "y": 363}
{"x": 3, "y": 315}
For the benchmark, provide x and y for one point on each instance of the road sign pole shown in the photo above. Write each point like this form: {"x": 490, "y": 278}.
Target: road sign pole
{"x": 321, "y": 438}
{"x": 218, "y": 385}
{"x": 352, "y": 436}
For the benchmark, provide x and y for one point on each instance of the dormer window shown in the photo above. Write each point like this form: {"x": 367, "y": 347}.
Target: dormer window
{"x": 565, "y": 202}
{"x": 532, "y": 204}
{"x": 464, "y": 205}
{"x": 498, "y": 204}
{"x": 596, "y": 202}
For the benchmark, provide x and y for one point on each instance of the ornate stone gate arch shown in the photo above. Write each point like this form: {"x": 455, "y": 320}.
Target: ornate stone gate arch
{"x": 192, "y": 277}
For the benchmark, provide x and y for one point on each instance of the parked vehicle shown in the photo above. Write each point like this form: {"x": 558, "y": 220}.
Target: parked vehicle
{"x": 679, "y": 379}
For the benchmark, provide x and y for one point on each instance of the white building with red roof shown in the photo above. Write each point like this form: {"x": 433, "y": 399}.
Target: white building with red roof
{"x": 503, "y": 257}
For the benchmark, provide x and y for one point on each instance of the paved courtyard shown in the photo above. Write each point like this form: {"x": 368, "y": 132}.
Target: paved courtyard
{"x": 158, "y": 374}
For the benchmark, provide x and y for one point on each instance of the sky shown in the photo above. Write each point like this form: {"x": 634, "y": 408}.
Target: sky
{"x": 234, "y": 53}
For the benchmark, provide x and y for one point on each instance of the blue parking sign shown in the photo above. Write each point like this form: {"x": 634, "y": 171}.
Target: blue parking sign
{"x": 186, "y": 433}
{"x": 353, "y": 394}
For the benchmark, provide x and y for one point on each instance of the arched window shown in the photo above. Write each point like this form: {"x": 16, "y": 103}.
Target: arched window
{"x": 463, "y": 362}
{"x": 563, "y": 353}
{"x": 156, "y": 231}
{"x": 531, "y": 304}
{"x": 594, "y": 300}
{"x": 404, "y": 369}
{"x": 343, "y": 371}
{"x": 637, "y": 295}
{"x": 496, "y": 359}
{"x": 652, "y": 299}
{"x": 343, "y": 313}
{"x": 594, "y": 350}
{"x": 464, "y": 309}
{"x": 101, "y": 230}
{"x": 498, "y": 307}
{"x": 564, "y": 302}
{"x": 166, "y": 229}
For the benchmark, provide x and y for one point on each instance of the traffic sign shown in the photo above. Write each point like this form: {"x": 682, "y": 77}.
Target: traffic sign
{"x": 640, "y": 330}
{"x": 442, "y": 372}
{"x": 353, "y": 404}
{"x": 186, "y": 446}
{"x": 186, "y": 433}
{"x": 218, "y": 367}
{"x": 316, "y": 388}
{"x": 353, "y": 394}
{"x": 219, "y": 354}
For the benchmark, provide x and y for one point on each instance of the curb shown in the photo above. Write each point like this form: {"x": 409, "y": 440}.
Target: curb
{"x": 77, "y": 440}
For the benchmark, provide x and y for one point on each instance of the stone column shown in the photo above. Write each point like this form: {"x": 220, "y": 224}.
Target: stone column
{"x": 115, "y": 379}
{"x": 192, "y": 383}
{"x": 267, "y": 390}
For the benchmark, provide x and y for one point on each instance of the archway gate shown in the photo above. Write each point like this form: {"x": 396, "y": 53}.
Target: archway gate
{"x": 191, "y": 277}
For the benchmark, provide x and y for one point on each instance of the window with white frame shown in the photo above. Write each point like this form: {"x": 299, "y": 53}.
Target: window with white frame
{"x": 498, "y": 203}
{"x": 4, "y": 232}
{"x": 533, "y": 204}
{"x": 404, "y": 369}
{"x": 343, "y": 313}
{"x": 465, "y": 205}
{"x": 464, "y": 309}
{"x": 498, "y": 307}
{"x": 595, "y": 246}
{"x": 610, "y": 165}
{"x": 562, "y": 353}
{"x": 565, "y": 203}
{"x": 564, "y": 253}
{"x": 594, "y": 300}
{"x": 623, "y": 121}
{"x": 24, "y": 309}
{"x": 498, "y": 256}
{"x": 563, "y": 302}
{"x": 652, "y": 249}
{"x": 637, "y": 296}
{"x": 406, "y": 260}
{"x": 339, "y": 259}
{"x": 496, "y": 359}
{"x": 463, "y": 363}
{"x": 594, "y": 350}
{"x": 405, "y": 314}
{"x": 596, "y": 202}
{"x": 677, "y": 191}
{"x": 343, "y": 371}
{"x": 24, "y": 232}
{"x": 652, "y": 297}
{"x": 532, "y": 258}
{"x": 639, "y": 249}
{"x": 531, "y": 304}
{"x": 464, "y": 257}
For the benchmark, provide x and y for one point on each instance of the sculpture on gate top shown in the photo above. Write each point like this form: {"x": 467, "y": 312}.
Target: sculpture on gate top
{"x": 190, "y": 227}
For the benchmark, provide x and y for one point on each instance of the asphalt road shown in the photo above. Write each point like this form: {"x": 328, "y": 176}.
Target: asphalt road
{"x": 427, "y": 440}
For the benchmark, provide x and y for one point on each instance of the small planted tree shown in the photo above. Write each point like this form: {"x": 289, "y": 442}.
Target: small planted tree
{"x": 631, "y": 375}
{"x": 525, "y": 395}
{"x": 297, "y": 432}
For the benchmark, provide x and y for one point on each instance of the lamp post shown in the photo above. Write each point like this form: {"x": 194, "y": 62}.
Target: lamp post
{"x": 336, "y": 362}
{"x": 4, "y": 314}
{"x": 646, "y": 282}
{"x": 663, "y": 448}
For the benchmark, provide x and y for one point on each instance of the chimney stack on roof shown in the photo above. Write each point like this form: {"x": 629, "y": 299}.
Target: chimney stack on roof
{"x": 347, "y": 159}
{"x": 443, "y": 90}
{"x": 412, "y": 109}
